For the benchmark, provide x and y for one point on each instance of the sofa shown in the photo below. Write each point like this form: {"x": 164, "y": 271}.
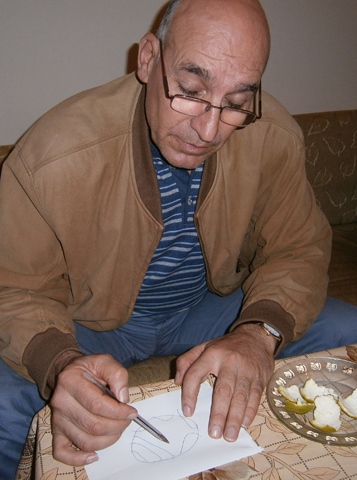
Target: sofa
{"x": 331, "y": 166}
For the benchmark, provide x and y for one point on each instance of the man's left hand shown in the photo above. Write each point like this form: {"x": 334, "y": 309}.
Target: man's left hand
{"x": 243, "y": 362}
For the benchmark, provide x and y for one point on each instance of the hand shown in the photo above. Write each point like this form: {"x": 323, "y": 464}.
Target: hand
{"x": 243, "y": 362}
{"x": 83, "y": 418}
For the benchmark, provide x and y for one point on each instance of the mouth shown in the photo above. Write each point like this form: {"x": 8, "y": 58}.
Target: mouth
{"x": 191, "y": 148}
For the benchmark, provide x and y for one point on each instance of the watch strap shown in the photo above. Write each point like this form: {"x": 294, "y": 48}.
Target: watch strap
{"x": 270, "y": 331}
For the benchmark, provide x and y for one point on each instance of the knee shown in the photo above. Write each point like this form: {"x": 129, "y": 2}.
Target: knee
{"x": 17, "y": 394}
{"x": 338, "y": 320}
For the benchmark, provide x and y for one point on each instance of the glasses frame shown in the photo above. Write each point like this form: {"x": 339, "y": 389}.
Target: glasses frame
{"x": 257, "y": 101}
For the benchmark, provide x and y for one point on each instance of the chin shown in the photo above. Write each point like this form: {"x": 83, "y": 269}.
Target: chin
{"x": 186, "y": 163}
{"x": 184, "y": 160}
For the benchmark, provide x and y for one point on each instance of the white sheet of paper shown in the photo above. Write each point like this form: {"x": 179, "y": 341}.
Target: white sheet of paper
{"x": 138, "y": 455}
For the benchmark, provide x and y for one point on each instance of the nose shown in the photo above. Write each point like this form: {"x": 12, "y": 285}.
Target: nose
{"x": 206, "y": 125}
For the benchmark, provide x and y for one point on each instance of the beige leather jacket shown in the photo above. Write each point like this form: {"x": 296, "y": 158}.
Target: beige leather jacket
{"x": 80, "y": 218}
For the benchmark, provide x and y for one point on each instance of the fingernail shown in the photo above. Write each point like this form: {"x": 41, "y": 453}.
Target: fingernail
{"x": 246, "y": 422}
{"x": 231, "y": 435}
{"x": 124, "y": 395}
{"x": 92, "y": 459}
{"x": 132, "y": 416}
{"x": 186, "y": 411}
{"x": 216, "y": 432}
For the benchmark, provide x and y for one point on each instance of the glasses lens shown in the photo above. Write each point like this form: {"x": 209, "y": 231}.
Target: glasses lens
{"x": 236, "y": 117}
{"x": 189, "y": 106}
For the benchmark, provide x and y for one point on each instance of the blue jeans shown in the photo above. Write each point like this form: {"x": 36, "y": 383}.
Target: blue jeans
{"x": 161, "y": 335}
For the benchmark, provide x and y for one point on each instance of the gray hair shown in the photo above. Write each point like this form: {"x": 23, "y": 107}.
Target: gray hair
{"x": 164, "y": 28}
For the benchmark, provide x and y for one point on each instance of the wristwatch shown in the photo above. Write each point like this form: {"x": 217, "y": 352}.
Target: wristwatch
{"x": 269, "y": 330}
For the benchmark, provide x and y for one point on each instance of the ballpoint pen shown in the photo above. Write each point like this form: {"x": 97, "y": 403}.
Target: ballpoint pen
{"x": 139, "y": 420}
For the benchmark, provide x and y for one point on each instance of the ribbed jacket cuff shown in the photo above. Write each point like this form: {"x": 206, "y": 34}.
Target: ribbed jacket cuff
{"x": 272, "y": 313}
{"x": 43, "y": 351}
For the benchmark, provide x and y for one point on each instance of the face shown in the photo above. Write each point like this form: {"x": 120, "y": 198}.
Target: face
{"x": 219, "y": 65}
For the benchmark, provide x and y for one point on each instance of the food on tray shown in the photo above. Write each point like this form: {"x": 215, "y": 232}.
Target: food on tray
{"x": 326, "y": 414}
{"x": 311, "y": 390}
{"x": 301, "y": 409}
{"x": 325, "y": 403}
{"x": 292, "y": 393}
{"x": 349, "y": 404}
{"x": 294, "y": 401}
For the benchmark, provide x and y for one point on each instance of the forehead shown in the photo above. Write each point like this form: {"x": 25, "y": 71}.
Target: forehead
{"x": 214, "y": 64}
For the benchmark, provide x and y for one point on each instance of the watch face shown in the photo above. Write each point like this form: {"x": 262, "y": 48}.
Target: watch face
{"x": 272, "y": 330}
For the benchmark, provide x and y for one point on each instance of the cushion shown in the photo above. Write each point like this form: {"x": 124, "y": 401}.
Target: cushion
{"x": 331, "y": 162}
{"x": 154, "y": 369}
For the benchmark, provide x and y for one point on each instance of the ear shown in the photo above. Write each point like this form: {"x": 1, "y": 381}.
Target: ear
{"x": 149, "y": 49}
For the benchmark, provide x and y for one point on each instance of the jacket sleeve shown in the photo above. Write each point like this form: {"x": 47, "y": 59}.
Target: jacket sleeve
{"x": 34, "y": 286}
{"x": 287, "y": 280}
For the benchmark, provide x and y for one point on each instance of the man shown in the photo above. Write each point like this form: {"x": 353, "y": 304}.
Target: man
{"x": 132, "y": 215}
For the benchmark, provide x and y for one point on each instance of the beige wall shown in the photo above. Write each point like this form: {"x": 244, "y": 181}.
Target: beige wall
{"x": 51, "y": 49}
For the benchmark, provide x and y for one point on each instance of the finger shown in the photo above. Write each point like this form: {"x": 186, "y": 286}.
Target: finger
{"x": 64, "y": 451}
{"x": 109, "y": 372}
{"x": 256, "y": 391}
{"x": 196, "y": 374}
{"x": 223, "y": 395}
{"x": 115, "y": 375}
{"x": 79, "y": 399}
{"x": 184, "y": 362}
{"x": 82, "y": 440}
{"x": 88, "y": 432}
{"x": 243, "y": 408}
{"x": 88, "y": 419}
{"x": 98, "y": 403}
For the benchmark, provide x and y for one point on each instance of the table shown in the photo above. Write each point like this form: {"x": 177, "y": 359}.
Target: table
{"x": 286, "y": 455}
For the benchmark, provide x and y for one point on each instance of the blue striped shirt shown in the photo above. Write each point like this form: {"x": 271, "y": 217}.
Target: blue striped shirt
{"x": 176, "y": 277}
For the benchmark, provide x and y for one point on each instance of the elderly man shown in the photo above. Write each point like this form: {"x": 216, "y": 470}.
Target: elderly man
{"x": 131, "y": 215}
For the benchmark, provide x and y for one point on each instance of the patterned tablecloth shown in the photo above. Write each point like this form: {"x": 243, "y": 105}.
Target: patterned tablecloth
{"x": 286, "y": 454}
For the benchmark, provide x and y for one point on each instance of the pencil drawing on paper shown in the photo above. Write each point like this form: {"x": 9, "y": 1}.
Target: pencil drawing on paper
{"x": 183, "y": 434}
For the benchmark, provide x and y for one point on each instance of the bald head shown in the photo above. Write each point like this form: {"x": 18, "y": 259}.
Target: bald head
{"x": 245, "y": 17}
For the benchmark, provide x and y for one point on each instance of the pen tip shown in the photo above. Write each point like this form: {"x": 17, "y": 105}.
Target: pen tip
{"x": 164, "y": 439}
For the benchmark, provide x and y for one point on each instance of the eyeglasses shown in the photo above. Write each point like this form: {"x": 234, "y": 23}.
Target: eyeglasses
{"x": 193, "y": 106}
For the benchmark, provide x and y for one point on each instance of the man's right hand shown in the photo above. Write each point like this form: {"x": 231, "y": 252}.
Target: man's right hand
{"x": 83, "y": 418}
